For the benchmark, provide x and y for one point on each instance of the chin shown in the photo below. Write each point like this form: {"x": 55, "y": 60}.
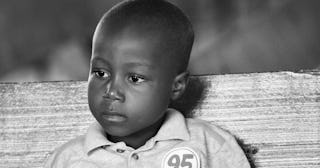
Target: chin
{"x": 116, "y": 131}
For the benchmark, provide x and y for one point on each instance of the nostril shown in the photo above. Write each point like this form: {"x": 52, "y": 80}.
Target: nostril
{"x": 114, "y": 96}
{"x": 109, "y": 95}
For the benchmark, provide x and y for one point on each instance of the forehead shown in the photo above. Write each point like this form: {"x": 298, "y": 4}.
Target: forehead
{"x": 107, "y": 31}
{"x": 130, "y": 42}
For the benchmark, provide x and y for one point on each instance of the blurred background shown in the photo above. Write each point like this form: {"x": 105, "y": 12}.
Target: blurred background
{"x": 49, "y": 40}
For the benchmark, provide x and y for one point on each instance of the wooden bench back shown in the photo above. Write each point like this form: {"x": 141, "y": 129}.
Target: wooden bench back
{"x": 275, "y": 116}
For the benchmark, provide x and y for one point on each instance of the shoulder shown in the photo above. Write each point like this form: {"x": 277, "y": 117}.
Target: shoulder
{"x": 220, "y": 144}
{"x": 74, "y": 146}
{"x": 211, "y": 130}
{"x": 64, "y": 153}
{"x": 210, "y": 134}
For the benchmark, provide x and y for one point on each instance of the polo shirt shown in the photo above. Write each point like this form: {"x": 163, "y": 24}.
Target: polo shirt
{"x": 179, "y": 143}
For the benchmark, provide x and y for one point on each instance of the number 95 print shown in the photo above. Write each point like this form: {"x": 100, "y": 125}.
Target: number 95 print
{"x": 182, "y": 157}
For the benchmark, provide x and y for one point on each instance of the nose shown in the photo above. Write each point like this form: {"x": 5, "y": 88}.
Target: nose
{"x": 114, "y": 92}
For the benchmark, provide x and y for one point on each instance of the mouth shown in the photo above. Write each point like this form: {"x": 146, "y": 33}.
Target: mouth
{"x": 114, "y": 117}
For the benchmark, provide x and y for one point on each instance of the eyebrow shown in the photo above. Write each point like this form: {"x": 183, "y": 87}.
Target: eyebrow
{"x": 98, "y": 59}
{"x": 139, "y": 64}
{"x": 129, "y": 64}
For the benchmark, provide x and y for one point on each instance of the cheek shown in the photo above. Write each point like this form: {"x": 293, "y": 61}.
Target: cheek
{"x": 153, "y": 100}
{"x": 94, "y": 95}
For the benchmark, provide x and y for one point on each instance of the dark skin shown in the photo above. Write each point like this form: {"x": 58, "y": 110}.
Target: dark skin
{"x": 131, "y": 82}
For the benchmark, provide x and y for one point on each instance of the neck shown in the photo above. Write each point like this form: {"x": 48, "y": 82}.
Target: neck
{"x": 139, "y": 138}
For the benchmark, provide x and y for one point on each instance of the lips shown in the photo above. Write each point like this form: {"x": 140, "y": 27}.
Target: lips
{"x": 110, "y": 113}
{"x": 114, "y": 117}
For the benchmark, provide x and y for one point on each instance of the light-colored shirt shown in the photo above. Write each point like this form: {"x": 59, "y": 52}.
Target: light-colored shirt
{"x": 179, "y": 143}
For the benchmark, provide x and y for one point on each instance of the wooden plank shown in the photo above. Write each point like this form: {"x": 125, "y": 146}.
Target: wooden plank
{"x": 276, "y": 116}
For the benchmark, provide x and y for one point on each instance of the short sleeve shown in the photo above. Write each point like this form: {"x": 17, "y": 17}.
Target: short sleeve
{"x": 49, "y": 163}
{"x": 60, "y": 158}
{"x": 230, "y": 155}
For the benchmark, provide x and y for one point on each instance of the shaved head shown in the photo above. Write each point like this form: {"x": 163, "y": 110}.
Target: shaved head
{"x": 154, "y": 19}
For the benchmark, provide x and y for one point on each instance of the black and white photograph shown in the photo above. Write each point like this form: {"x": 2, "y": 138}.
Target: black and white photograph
{"x": 160, "y": 84}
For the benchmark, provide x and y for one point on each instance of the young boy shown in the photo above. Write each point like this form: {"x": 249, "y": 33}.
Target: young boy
{"x": 139, "y": 58}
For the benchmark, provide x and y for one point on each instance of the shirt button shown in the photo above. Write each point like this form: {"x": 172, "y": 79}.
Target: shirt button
{"x": 120, "y": 150}
{"x": 135, "y": 156}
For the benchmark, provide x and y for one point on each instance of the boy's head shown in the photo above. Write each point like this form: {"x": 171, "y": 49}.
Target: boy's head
{"x": 140, "y": 53}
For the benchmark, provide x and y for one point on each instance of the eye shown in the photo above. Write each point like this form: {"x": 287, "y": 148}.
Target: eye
{"x": 136, "y": 79}
{"x": 101, "y": 74}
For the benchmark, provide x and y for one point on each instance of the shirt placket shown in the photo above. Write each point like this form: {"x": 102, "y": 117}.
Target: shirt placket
{"x": 135, "y": 157}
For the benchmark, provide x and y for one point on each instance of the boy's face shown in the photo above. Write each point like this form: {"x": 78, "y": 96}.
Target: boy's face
{"x": 130, "y": 81}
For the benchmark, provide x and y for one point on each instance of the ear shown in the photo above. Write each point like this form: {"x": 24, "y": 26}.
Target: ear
{"x": 179, "y": 85}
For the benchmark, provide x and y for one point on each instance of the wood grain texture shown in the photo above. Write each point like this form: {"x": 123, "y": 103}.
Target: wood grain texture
{"x": 276, "y": 116}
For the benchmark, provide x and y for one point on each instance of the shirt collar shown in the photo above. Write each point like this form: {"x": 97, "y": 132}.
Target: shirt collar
{"x": 173, "y": 127}
{"x": 95, "y": 138}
